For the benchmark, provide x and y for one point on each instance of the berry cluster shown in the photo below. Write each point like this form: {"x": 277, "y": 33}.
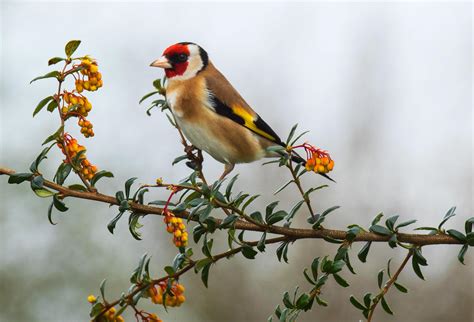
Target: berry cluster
{"x": 86, "y": 127}
{"x": 320, "y": 162}
{"x": 176, "y": 227}
{"x": 70, "y": 149}
{"x": 176, "y": 298}
{"x": 108, "y": 316}
{"x": 317, "y": 160}
{"x": 77, "y": 105}
{"x": 91, "y": 79}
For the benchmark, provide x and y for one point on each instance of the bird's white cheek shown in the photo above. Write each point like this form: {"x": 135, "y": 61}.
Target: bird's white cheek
{"x": 172, "y": 98}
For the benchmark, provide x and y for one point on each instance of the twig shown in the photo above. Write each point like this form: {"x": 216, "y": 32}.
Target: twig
{"x": 388, "y": 285}
{"x": 296, "y": 233}
{"x": 186, "y": 268}
{"x": 297, "y": 182}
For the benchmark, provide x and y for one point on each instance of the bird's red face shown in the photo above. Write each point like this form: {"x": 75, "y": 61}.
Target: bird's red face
{"x": 182, "y": 60}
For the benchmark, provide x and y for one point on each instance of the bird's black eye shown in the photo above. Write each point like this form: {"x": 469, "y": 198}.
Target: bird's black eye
{"x": 181, "y": 58}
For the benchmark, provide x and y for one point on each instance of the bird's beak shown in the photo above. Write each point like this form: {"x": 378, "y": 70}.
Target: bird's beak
{"x": 162, "y": 63}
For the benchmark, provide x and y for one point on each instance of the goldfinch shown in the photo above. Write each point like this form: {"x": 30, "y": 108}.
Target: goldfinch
{"x": 210, "y": 112}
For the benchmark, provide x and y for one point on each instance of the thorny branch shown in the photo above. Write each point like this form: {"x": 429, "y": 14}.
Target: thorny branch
{"x": 293, "y": 233}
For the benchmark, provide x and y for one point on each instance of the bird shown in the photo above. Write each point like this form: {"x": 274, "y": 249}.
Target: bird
{"x": 211, "y": 113}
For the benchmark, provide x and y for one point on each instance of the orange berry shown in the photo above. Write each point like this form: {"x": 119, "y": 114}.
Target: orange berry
{"x": 325, "y": 160}
{"x": 330, "y": 165}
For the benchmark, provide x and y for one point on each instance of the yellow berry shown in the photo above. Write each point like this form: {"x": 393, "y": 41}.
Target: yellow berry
{"x": 91, "y": 299}
{"x": 94, "y": 68}
{"x": 180, "y": 288}
{"x": 181, "y": 298}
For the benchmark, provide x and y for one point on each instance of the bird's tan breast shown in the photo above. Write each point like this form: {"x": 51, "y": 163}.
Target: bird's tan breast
{"x": 224, "y": 139}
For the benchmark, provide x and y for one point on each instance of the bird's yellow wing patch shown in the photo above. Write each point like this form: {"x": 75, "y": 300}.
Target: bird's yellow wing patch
{"x": 249, "y": 121}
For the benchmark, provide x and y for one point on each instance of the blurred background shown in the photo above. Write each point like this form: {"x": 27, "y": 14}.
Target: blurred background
{"x": 385, "y": 87}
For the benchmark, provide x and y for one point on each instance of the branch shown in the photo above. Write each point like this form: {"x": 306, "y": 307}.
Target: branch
{"x": 293, "y": 233}
{"x": 388, "y": 285}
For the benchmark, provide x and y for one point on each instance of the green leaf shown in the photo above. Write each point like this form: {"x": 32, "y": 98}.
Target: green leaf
{"x": 468, "y": 225}
{"x": 55, "y": 60}
{"x": 457, "y": 234}
{"x": 390, "y": 222}
{"x": 147, "y": 96}
{"x": 134, "y": 225}
{"x": 282, "y": 252}
{"x": 352, "y": 233}
{"x": 292, "y": 132}
{"x": 19, "y": 177}
{"x": 102, "y": 288}
{"x": 380, "y": 230}
{"x": 50, "y": 210}
{"x": 54, "y": 136}
{"x": 169, "y": 270}
{"x": 207, "y": 247}
{"x": 416, "y": 268}
{"x": 43, "y": 193}
{"x": 377, "y": 218}
{"x": 380, "y": 278}
{"x": 96, "y": 309}
{"x": 42, "y": 104}
{"x": 53, "y": 74}
{"x": 63, "y": 172}
{"x": 310, "y": 190}
{"x": 157, "y": 84}
{"x": 314, "y": 268}
{"x": 470, "y": 239}
{"x": 385, "y": 306}
{"x": 340, "y": 280}
{"x": 229, "y": 221}
{"x": 205, "y": 274}
{"x": 364, "y": 252}
{"x": 37, "y": 182}
{"x": 448, "y": 215}
{"x": 303, "y": 301}
{"x": 71, "y": 47}
{"x": 128, "y": 185}
{"x": 329, "y": 210}
{"x": 249, "y": 252}
{"x": 419, "y": 257}
{"x": 230, "y": 185}
{"x": 406, "y": 223}
{"x": 276, "y": 217}
{"x": 257, "y": 216}
{"x": 286, "y": 300}
{"x": 59, "y": 204}
{"x": 282, "y": 187}
{"x": 305, "y": 273}
{"x": 294, "y": 210}
{"x": 249, "y": 201}
{"x": 52, "y": 106}
{"x": 113, "y": 222}
{"x": 100, "y": 175}
{"x": 461, "y": 253}
{"x": 400, "y": 287}
{"x": 261, "y": 242}
{"x": 356, "y": 303}
{"x": 298, "y": 137}
{"x": 367, "y": 299}
{"x": 179, "y": 159}
{"x": 270, "y": 208}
